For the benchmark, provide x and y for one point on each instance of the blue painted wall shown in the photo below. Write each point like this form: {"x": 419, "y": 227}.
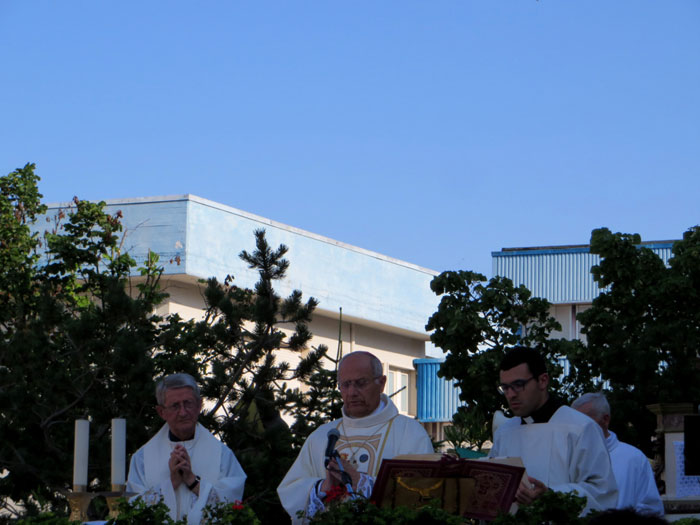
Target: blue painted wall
{"x": 438, "y": 398}
{"x": 201, "y": 238}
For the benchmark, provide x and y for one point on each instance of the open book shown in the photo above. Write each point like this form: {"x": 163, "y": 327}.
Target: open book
{"x": 478, "y": 489}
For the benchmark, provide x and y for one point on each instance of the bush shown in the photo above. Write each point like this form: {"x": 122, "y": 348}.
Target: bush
{"x": 230, "y": 514}
{"x": 554, "y": 508}
{"x": 138, "y": 512}
{"x": 47, "y": 518}
{"x": 362, "y": 511}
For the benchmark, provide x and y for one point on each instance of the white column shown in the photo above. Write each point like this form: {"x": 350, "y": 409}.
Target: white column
{"x": 118, "y": 451}
{"x": 80, "y": 453}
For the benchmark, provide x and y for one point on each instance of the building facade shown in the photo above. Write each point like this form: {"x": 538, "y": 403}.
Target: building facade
{"x": 385, "y": 302}
{"x": 562, "y": 275}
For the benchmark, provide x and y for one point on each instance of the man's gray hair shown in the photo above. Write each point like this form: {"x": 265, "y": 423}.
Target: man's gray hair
{"x": 599, "y": 404}
{"x": 181, "y": 380}
{"x": 374, "y": 363}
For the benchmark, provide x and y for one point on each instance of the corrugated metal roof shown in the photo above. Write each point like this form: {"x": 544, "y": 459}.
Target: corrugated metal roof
{"x": 559, "y": 274}
{"x": 438, "y": 398}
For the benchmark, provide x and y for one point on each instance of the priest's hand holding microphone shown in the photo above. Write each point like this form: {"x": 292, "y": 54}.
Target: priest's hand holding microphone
{"x": 342, "y": 473}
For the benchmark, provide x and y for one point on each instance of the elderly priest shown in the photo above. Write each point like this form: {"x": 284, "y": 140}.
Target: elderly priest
{"x": 562, "y": 449}
{"x": 633, "y": 474}
{"x": 370, "y": 430}
{"x": 184, "y": 464}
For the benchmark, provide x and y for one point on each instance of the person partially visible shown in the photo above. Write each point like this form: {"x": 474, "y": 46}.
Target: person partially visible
{"x": 370, "y": 430}
{"x": 561, "y": 449}
{"x": 633, "y": 473}
{"x": 184, "y": 464}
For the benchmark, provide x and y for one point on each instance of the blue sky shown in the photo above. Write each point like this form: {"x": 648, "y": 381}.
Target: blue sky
{"x": 433, "y": 132}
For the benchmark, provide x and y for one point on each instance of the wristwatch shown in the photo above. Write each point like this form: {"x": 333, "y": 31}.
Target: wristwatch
{"x": 194, "y": 483}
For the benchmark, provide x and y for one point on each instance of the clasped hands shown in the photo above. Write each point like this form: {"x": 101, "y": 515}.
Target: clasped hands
{"x": 180, "y": 467}
{"x": 333, "y": 474}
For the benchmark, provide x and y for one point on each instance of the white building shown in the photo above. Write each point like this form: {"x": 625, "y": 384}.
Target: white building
{"x": 385, "y": 302}
{"x": 562, "y": 275}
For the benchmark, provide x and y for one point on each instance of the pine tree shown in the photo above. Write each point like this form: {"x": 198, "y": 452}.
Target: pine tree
{"x": 79, "y": 338}
{"x": 239, "y": 341}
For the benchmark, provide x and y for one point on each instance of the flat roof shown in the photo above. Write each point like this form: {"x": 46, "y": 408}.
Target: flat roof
{"x": 200, "y": 238}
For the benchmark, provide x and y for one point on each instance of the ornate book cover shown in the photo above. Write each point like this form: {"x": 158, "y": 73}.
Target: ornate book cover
{"x": 471, "y": 488}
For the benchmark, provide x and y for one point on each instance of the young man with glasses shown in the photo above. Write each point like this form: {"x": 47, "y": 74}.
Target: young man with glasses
{"x": 561, "y": 450}
{"x": 370, "y": 430}
{"x": 184, "y": 464}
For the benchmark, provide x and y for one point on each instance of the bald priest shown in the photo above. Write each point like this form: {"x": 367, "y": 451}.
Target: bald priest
{"x": 370, "y": 430}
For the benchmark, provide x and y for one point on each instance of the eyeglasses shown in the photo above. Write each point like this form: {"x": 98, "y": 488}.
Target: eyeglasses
{"x": 188, "y": 405}
{"x": 360, "y": 384}
{"x": 516, "y": 386}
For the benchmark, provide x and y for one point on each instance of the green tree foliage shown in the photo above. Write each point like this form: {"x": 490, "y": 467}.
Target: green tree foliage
{"x": 79, "y": 338}
{"x": 469, "y": 430}
{"x": 236, "y": 345}
{"x": 362, "y": 511}
{"x": 138, "y": 513}
{"x": 643, "y": 330}
{"x": 552, "y": 508}
{"x": 643, "y": 334}
{"x": 75, "y": 340}
{"x": 475, "y": 321}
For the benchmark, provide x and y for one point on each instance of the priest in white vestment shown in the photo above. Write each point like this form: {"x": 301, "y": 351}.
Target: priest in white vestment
{"x": 633, "y": 474}
{"x": 561, "y": 449}
{"x": 184, "y": 464}
{"x": 370, "y": 430}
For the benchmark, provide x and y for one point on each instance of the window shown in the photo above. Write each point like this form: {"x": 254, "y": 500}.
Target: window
{"x": 397, "y": 389}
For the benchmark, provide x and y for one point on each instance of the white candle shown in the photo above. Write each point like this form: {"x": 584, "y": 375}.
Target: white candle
{"x": 118, "y": 451}
{"x": 80, "y": 452}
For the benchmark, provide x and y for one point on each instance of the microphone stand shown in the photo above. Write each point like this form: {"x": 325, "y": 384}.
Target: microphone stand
{"x": 344, "y": 476}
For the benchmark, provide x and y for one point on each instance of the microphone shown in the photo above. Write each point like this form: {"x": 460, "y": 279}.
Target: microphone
{"x": 333, "y": 436}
